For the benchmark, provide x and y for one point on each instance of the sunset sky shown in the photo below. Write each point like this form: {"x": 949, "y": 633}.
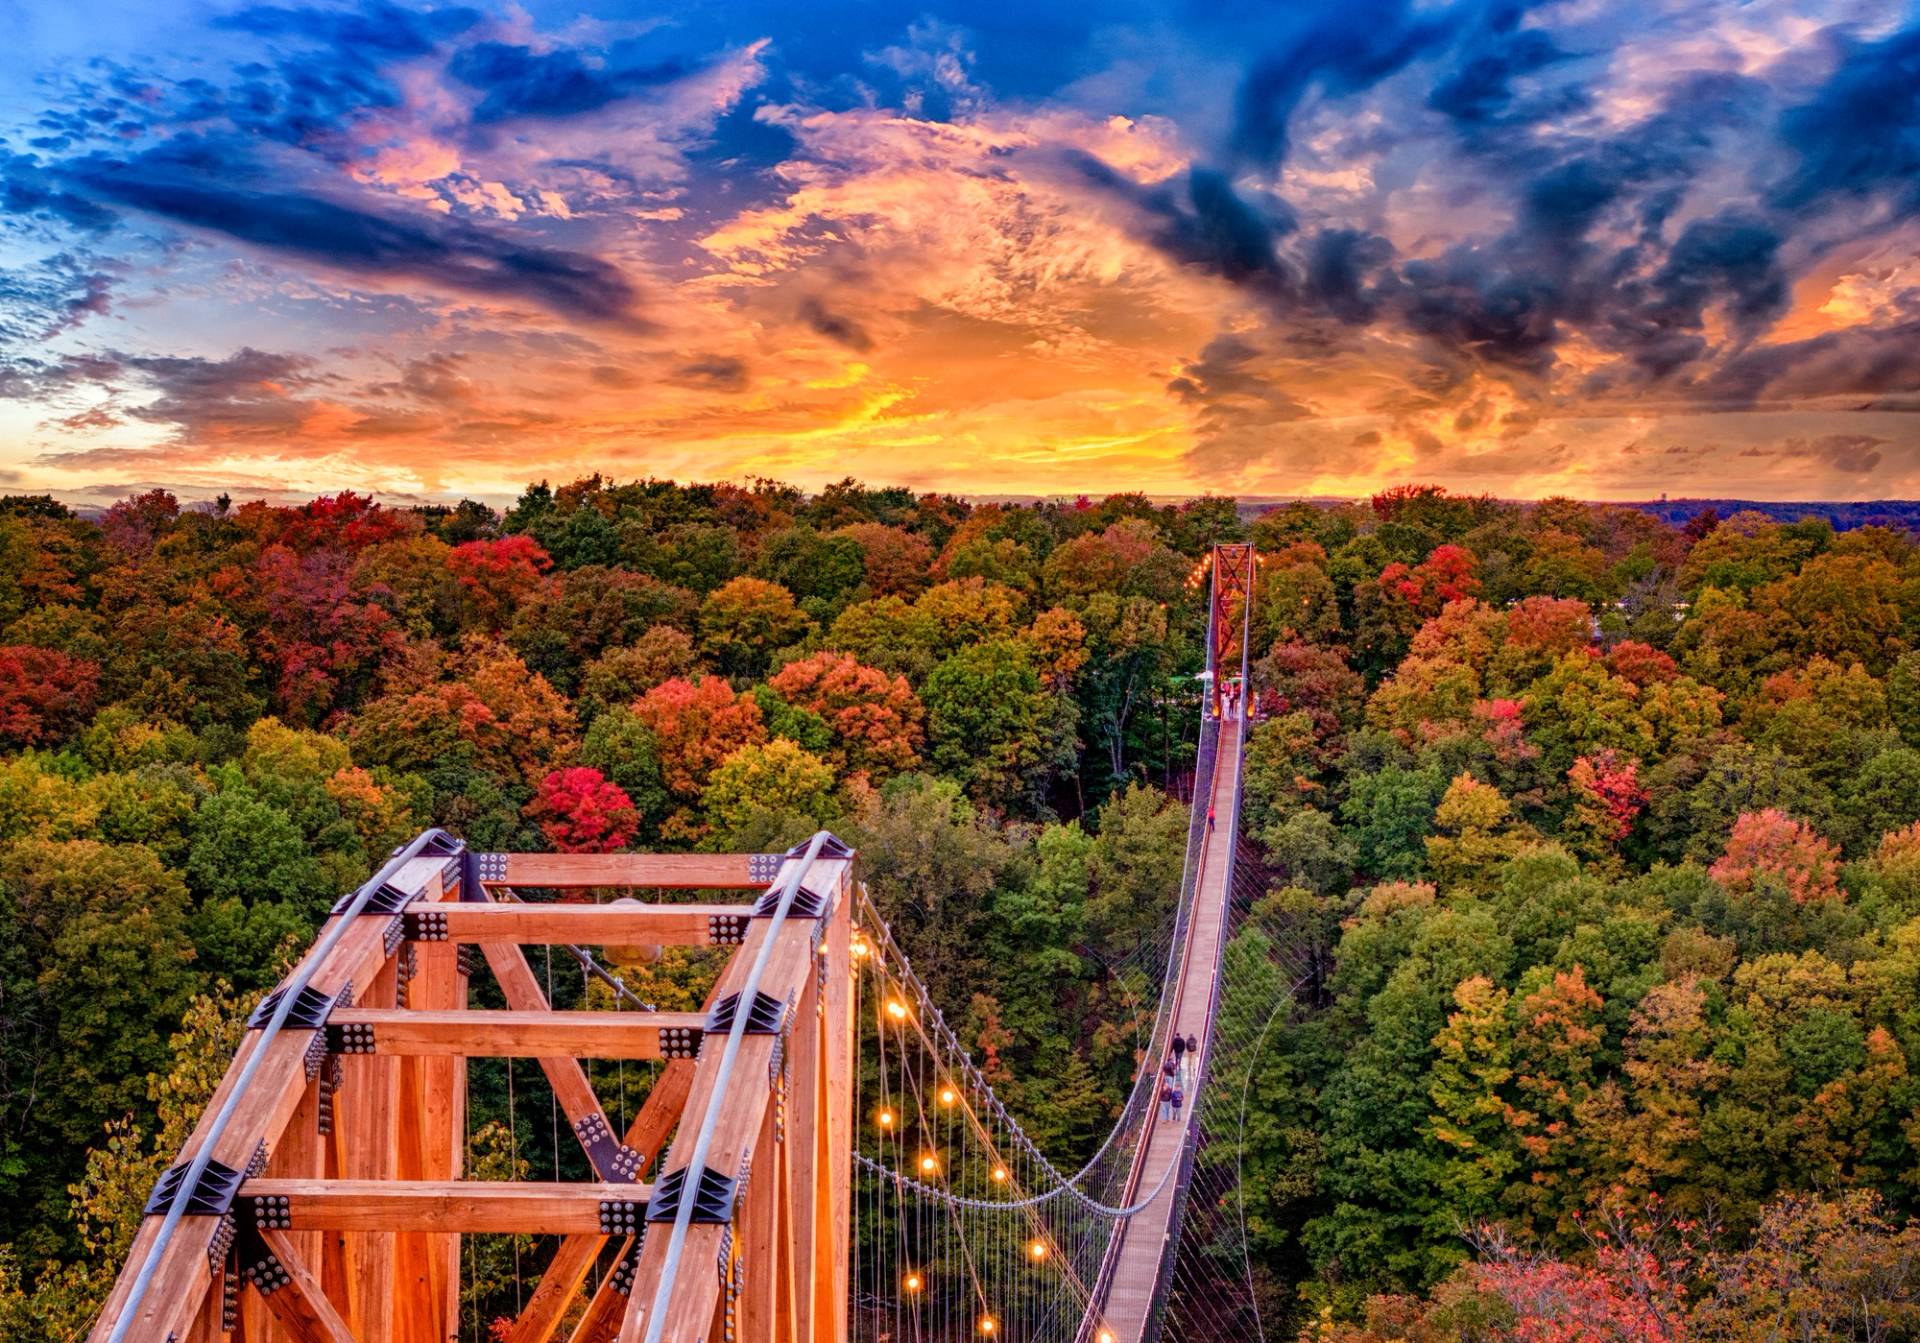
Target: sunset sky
{"x": 1603, "y": 249}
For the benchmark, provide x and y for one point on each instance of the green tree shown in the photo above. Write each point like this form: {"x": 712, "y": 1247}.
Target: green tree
{"x": 776, "y": 779}
{"x": 1389, "y": 814}
{"x": 1473, "y": 1063}
{"x": 994, "y": 726}
{"x": 1134, "y": 869}
{"x": 97, "y": 968}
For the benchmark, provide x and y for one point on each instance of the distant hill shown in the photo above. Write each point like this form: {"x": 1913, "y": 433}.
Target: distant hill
{"x": 1898, "y": 513}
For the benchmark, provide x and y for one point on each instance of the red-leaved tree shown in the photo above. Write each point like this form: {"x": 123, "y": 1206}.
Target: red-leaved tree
{"x": 875, "y": 717}
{"x": 580, "y": 810}
{"x": 496, "y": 576}
{"x": 1607, "y": 794}
{"x": 43, "y": 693}
{"x": 696, "y": 725}
{"x": 1771, "y": 847}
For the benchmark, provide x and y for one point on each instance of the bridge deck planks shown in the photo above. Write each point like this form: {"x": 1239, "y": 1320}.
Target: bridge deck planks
{"x": 1140, "y": 1265}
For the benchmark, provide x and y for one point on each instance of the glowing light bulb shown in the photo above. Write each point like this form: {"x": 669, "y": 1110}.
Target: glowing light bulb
{"x": 999, "y": 1174}
{"x": 928, "y": 1165}
{"x": 1106, "y": 1336}
{"x": 948, "y": 1095}
{"x": 1037, "y": 1250}
{"x": 988, "y": 1325}
{"x": 911, "y": 1282}
{"x": 860, "y": 949}
{"x": 886, "y": 1119}
{"x": 897, "y": 1009}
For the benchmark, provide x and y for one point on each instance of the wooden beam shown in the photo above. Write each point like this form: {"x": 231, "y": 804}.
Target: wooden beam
{"x": 678, "y": 871}
{"x": 692, "y": 1300}
{"x": 442, "y": 1205}
{"x": 367, "y": 1121}
{"x": 481, "y": 1034}
{"x": 297, "y": 1303}
{"x": 426, "y": 1265}
{"x": 564, "y": 1073}
{"x": 575, "y": 1255}
{"x": 613, "y": 924}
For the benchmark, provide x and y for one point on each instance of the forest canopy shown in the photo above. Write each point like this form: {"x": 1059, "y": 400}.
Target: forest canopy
{"x": 1597, "y": 839}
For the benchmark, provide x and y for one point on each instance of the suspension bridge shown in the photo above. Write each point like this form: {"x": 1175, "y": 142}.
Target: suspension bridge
{"x": 811, "y": 1156}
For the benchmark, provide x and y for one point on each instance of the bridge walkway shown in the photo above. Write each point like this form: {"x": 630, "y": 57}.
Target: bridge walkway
{"x": 1141, "y": 1261}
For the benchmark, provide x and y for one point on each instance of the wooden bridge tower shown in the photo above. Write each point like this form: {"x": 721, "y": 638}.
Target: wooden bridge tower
{"x": 321, "y": 1198}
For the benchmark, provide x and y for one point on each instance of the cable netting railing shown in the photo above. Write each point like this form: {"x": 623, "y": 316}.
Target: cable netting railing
{"x": 968, "y": 1229}
{"x": 1213, "y": 1289}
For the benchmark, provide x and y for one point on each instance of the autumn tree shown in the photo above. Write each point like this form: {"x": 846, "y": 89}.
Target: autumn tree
{"x": 495, "y": 576}
{"x": 44, "y": 695}
{"x": 1607, "y": 799}
{"x": 745, "y": 621}
{"x": 695, "y": 725}
{"x": 580, "y": 810}
{"x": 875, "y": 719}
{"x": 625, "y": 672}
{"x": 895, "y": 562}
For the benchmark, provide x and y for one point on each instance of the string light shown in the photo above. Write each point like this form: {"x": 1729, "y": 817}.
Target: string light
{"x": 928, "y": 1165}
{"x": 1038, "y": 1250}
{"x": 999, "y": 1174}
{"x": 988, "y": 1325}
{"x": 896, "y": 1009}
{"x": 948, "y": 1095}
{"x": 913, "y": 1284}
{"x": 1106, "y": 1336}
{"x": 886, "y": 1119}
{"x": 861, "y": 950}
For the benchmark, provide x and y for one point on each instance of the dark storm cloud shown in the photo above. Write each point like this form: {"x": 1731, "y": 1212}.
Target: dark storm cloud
{"x": 307, "y": 104}
{"x": 29, "y": 189}
{"x": 1479, "y": 94}
{"x": 1336, "y": 49}
{"x": 1860, "y": 132}
{"x": 379, "y": 28}
{"x": 1341, "y": 266}
{"x": 1735, "y": 256}
{"x": 836, "y": 327}
{"x": 1507, "y": 301}
{"x": 1207, "y": 225}
{"x": 1857, "y": 454}
{"x": 1237, "y": 401}
{"x": 197, "y": 190}
{"x": 1864, "y": 362}
{"x": 520, "y": 82}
